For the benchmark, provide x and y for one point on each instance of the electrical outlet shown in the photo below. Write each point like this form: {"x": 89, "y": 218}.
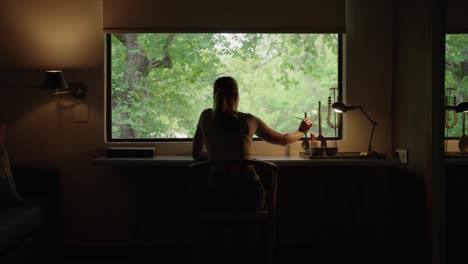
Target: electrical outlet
{"x": 403, "y": 155}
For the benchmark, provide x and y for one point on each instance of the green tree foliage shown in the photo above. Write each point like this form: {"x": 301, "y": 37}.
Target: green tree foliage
{"x": 456, "y": 72}
{"x": 162, "y": 82}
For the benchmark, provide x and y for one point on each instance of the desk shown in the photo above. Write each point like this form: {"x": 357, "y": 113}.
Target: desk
{"x": 354, "y": 209}
{"x": 456, "y": 168}
{"x": 183, "y": 161}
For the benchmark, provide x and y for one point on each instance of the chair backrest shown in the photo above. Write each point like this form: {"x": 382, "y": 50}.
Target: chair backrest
{"x": 267, "y": 171}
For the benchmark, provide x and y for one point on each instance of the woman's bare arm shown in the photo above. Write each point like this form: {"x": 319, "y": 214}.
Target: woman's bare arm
{"x": 271, "y": 136}
{"x": 198, "y": 147}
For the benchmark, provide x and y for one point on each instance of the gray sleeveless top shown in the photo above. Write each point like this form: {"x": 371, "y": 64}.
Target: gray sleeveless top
{"x": 226, "y": 136}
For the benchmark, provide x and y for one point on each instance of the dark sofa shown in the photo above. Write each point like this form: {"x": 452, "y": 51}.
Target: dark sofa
{"x": 30, "y": 231}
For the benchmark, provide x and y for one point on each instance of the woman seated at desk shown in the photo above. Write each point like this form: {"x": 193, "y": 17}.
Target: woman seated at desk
{"x": 223, "y": 133}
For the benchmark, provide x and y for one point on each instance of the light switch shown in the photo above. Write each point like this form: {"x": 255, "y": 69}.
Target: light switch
{"x": 81, "y": 113}
{"x": 402, "y": 155}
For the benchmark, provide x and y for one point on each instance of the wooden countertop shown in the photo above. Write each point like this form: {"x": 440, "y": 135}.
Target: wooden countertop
{"x": 177, "y": 161}
{"x": 455, "y": 158}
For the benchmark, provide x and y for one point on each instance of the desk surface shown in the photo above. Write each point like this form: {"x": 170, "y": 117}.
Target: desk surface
{"x": 179, "y": 161}
{"x": 455, "y": 158}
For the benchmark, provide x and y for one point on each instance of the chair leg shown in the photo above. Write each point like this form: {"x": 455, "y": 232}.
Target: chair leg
{"x": 196, "y": 244}
{"x": 233, "y": 243}
{"x": 271, "y": 243}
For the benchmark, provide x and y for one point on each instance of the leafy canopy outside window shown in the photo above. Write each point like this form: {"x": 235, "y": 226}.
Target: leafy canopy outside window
{"x": 456, "y": 79}
{"x": 160, "y": 82}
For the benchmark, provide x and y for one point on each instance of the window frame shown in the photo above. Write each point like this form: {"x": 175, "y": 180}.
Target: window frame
{"x": 108, "y": 93}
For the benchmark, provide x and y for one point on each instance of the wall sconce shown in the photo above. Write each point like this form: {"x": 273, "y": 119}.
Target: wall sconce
{"x": 54, "y": 80}
{"x": 340, "y": 107}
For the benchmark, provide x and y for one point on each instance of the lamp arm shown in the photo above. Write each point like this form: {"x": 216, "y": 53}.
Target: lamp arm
{"x": 63, "y": 91}
{"x": 369, "y": 148}
{"x": 368, "y": 117}
{"x": 374, "y": 124}
{"x": 77, "y": 92}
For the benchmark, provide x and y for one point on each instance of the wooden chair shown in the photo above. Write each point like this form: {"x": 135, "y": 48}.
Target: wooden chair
{"x": 252, "y": 234}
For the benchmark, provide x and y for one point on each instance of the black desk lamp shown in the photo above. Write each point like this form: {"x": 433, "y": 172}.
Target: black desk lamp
{"x": 463, "y": 141}
{"x": 340, "y": 107}
{"x": 459, "y": 108}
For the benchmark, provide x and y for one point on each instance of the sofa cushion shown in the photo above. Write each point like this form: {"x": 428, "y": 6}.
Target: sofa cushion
{"x": 18, "y": 222}
{"x": 8, "y": 194}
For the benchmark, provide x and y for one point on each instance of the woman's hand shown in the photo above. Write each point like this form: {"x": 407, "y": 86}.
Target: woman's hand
{"x": 305, "y": 125}
{"x": 271, "y": 136}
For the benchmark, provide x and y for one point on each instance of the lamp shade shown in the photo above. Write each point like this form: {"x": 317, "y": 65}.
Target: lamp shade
{"x": 54, "y": 80}
{"x": 461, "y": 107}
{"x": 342, "y": 108}
{"x": 339, "y": 107}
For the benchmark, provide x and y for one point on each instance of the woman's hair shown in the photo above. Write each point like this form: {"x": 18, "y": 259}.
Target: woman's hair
{"x": 225, "y": 95}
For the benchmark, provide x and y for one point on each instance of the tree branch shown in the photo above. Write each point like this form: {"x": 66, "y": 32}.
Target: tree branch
{"x": 166, "y": 61}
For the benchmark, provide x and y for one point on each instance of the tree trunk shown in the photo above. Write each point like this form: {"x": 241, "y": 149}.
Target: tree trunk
{"x": 137, "y": 66}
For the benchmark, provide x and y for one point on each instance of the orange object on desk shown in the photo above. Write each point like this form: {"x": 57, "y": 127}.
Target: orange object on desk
{"x": 312, "y": 137}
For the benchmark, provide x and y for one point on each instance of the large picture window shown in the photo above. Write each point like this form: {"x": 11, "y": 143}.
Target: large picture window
{"x": 456, "y": 81}
{"x": 159, "y": 83}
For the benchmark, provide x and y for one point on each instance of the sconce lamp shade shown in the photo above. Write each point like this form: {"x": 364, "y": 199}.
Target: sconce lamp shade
{"x": 54, "y": 80}
{"x": 459, "y": 108}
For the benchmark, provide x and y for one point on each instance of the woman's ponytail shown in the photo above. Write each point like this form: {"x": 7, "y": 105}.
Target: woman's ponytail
{"x": 225, "y": 95}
